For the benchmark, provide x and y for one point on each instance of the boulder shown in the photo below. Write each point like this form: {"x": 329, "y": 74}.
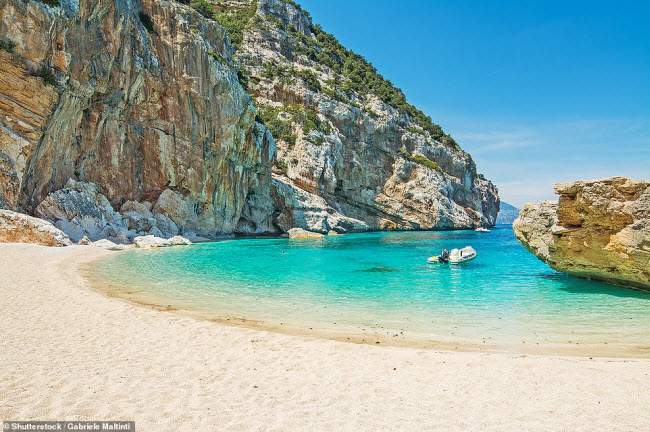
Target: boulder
{"x": 179, "y": 241}
{"x": 166, "y": 226}
{"x": 107, "y": 244}
{"x": 85, "y": 241}
{"x": 20, "y": 228}
{"x": 299, "y": 233}
{"x": 332, "y": 233}
{"x": 156, "y": 232}
{"x": 138, "y": 216}
{"x": 150, "y": 241}
{"x": 599, "y": 229}
{"x": 143, "y": 209}
{"x": 81, "y": 210}
{"x": 172, "y": 205}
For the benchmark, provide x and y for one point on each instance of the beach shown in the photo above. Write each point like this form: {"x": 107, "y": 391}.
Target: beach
{"x": 68, "y": 352}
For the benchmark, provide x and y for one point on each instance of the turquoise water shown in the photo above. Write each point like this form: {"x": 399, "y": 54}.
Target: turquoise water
{"x": 381, "y": 283}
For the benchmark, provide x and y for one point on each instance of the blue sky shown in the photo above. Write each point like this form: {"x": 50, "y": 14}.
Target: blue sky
{"x": 538, "y": 92}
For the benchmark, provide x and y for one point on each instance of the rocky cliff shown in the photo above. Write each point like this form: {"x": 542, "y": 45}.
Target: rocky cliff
{"x": 599, "y": 229}
{"x": 174, "y": 110}
{"x": 346, "y": 135}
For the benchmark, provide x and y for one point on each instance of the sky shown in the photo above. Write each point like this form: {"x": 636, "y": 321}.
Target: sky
{"x": 538, "y": 92}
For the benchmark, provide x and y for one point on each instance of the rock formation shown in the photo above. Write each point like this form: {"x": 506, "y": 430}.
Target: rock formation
{"x": 20, "y": 228}
{"x": 149, "y": 105}
{"x": 299, "y": 233}
{"x": 599, "y": 229}
{"x": 347, "y": 159}
{"x": 135, "y": 97}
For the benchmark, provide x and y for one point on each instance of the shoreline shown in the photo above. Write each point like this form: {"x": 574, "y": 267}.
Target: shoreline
{"x": 70, "y": 352}
{"x": 357, "y": 335}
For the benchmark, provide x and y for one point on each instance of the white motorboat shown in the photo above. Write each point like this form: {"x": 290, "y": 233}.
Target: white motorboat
{"x": 457, "y": 256}
{"x": 481, "y": 229}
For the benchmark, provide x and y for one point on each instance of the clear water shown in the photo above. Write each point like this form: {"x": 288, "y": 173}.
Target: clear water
{"x": 380, "y": 283}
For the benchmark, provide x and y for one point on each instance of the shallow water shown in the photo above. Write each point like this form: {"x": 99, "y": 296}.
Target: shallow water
{"x": 381, "y": 282}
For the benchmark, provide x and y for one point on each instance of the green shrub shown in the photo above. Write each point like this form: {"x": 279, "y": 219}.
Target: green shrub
{"x": 235, "y": 23}
{"x": 280, "y": 129}
{"x": 362, "y": 78}
{"x": 275, "y": 21}
{"x": 7, "y": 45}
{"x": 421, "y": 160}
{"x": 216, "y": 57}
{"x": 310, "y": 80}
{"x": 294, "y": 161}
{"x": 417, "y": 131}
{"x": 243, "y": 76}
{"x": 203, "y": 7}
{"x": 282, "y": 165}
{"x": 53, "y": 3}
{"x": 147, "y": 22}
{"x": 319, "y": 140}
{"x": 46, "y": 75}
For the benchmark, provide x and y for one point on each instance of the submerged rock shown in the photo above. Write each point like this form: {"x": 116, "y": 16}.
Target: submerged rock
{"x": 20, "y": 228}
{"x": 299, "y": 233}
{"x": 599, "y": 229}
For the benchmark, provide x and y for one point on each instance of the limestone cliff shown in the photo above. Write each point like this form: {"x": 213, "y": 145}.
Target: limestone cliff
{"x": 151, "y": 105}
{"x": 599, "y": 229}
{"x": 134, "y": 96}
{"x": 347, "y": 136}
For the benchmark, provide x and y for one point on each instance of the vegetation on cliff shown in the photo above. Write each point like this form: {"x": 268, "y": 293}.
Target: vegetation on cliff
{"x": 354, "y": 75}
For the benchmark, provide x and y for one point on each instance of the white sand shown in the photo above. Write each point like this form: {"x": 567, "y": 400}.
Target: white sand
{"x": 67, "y": 352}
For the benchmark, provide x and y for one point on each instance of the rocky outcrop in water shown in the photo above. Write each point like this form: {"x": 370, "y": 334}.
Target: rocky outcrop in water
{"x": 599, "y": 229}
{"x": 20, "y": 228}
{"x": 144, "y": 103}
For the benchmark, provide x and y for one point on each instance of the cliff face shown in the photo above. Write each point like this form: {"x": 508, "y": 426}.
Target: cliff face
{"x": 368, "y": 160}
{"x": 131, "y": 109}
{"x": 144, "y": 99}
{"x": 599, "y": 229}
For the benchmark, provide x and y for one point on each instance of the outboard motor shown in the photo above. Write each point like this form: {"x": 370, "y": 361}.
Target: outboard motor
{"x": 444, "y": 256}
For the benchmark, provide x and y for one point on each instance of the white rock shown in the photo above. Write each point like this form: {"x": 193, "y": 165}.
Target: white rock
{"x": 178, "y": 240}
{"x": 299, "y": 233}
{"x": 150, "y": 241}
{"x": 107, "y": 244}
{"x": 20, "y": 228}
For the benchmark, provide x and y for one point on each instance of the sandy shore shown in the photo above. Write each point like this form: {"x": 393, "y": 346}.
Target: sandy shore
{"x": 68, "y": 352}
